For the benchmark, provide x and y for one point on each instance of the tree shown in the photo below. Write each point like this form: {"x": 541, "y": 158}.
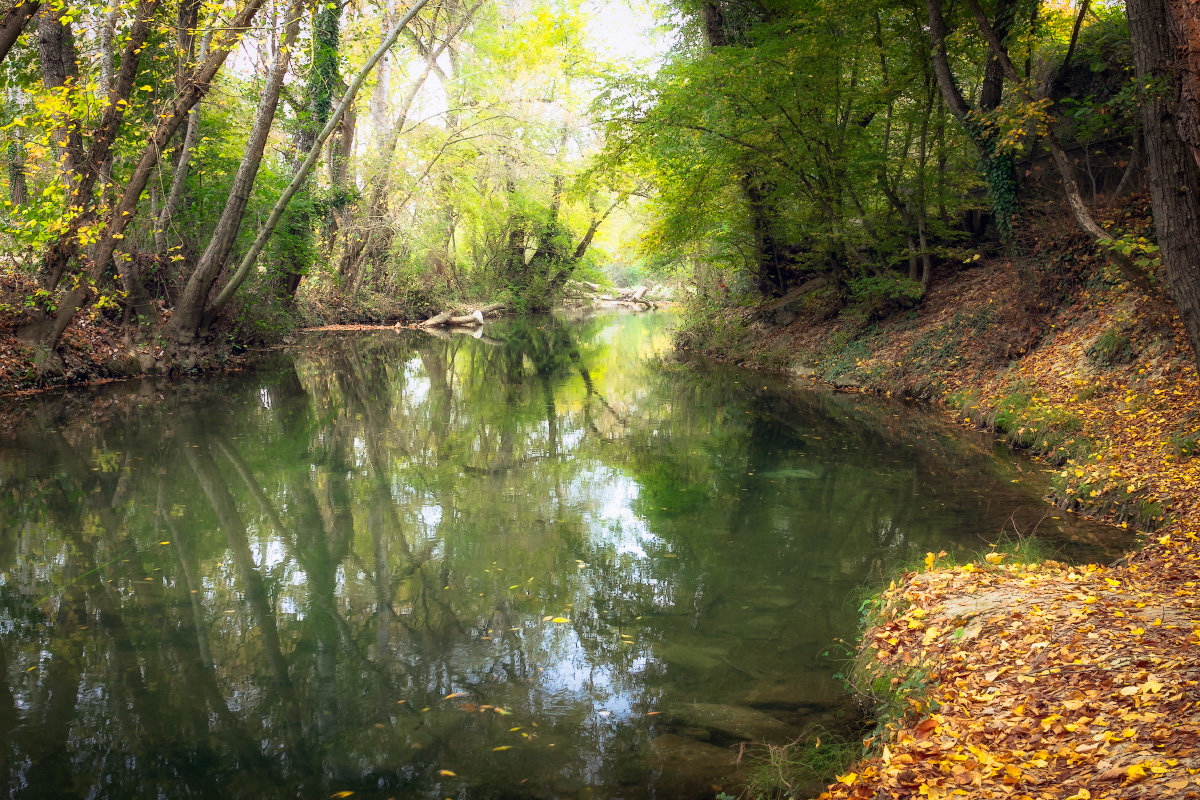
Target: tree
{"x": 1166, "y": 54}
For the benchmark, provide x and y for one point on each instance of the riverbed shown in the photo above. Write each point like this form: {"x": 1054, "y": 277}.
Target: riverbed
{"x": 555, "y": 561}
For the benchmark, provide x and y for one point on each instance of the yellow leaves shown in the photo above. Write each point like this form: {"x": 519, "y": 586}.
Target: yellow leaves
{"x": 445, "y": 773}
{"x": 994, "y": 558}
{"x": 341, "y": 794}
{"x": 1151, "y": 686}
{"x": 848, "y": 779}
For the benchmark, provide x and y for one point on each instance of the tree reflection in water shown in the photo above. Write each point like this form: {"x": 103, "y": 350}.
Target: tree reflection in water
{"x": 552, "y": 561}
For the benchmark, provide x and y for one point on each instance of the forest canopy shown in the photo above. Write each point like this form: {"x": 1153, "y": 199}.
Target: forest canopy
{"x": 196, "y": 168}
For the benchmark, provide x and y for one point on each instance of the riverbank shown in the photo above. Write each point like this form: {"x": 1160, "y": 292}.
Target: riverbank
{"x": 97, "y": 346}
{"x": 1029, "y": 680}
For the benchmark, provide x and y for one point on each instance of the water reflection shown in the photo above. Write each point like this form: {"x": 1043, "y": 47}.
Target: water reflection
{"x": 540, "y": 564}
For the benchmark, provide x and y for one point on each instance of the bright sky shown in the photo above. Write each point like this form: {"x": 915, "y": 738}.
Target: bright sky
{"x": 625, "y": 28}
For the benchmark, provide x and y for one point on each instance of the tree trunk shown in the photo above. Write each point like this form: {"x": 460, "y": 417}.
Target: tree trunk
{"x": 18, "y": 189}
{"x": 56, "y": 53}
{"x": 190, "y": 309}
{"x": 123, "y": 212}
{"x": 85, "y": 170}
{"x": 303, "y": 171}
{"x": 1159, "y": 41}
{"x": 1185, "y": 21}
{"x": 188, "y": 17}
{"x": 15, "y": 18}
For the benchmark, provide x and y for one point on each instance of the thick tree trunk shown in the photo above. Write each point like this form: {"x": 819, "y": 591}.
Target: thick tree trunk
{"x": 57, "y": 55}
{"x": 1160, "y": 41}
{"x": 1185, "y": 21}
{"x": 13, "y": 22}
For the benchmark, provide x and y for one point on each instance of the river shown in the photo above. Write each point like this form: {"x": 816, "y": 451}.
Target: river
{"x": 556, "y": 561}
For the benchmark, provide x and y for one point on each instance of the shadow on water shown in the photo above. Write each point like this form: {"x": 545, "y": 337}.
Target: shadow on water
{"x": 549, "y": 563}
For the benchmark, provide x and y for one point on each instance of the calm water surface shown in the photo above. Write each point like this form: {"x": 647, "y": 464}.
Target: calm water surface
{"x": 548, "y": 563}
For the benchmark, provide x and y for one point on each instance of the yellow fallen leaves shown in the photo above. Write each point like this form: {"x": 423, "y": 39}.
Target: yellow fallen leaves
{"x": 1060, "y": 693}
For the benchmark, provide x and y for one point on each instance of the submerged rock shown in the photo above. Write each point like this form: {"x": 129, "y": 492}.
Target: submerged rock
{"x": 734, "y": 722}
{"x": 812, "y": 692}
{"x": 690, "y": 768}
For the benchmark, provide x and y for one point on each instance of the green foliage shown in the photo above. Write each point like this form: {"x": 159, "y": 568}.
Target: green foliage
{"x": 1184, "y": 444}
{"x": 883, "y": 294}
{"x": 1112, "y": 347}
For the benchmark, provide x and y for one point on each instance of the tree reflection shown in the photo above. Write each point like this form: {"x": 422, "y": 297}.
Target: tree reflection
{"x": 383, "y": 557}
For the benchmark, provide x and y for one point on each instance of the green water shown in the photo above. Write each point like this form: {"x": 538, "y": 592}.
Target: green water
{"x": 553, "y": 562}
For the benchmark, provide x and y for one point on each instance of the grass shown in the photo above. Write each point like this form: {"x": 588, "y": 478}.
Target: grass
{"x": 1027, "y": 422}
{"x": 798, "y": 769}
{"x": 1111, "y": 348}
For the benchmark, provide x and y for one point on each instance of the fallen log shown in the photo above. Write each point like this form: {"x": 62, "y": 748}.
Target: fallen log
{"x": 475, "y": 317}
{"x": 810, "y": 285}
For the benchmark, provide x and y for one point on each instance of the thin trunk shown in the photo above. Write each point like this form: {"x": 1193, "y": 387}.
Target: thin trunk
{"x": 190, "y": 308}
{"x": 247, "y": 263}
{"x": 350, "y": 266}
{"x": 123, "y": 212}
{"x": 18, "y": 189}
{"x": 1131, "y": 168}
{"x": 1066, "y": 172}
{"x": 185, "y": 42}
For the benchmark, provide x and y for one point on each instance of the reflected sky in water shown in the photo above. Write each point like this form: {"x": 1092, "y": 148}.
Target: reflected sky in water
{"x": 553, "y": 562}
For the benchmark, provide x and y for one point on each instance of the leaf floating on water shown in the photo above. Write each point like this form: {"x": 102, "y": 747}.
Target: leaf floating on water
{"x": 560, "y": 620}
{"x": 445, "y": 773}
{"x": 453, "y": 695}
{"x": 502, "y": 748}
{"x": 341, "y": 794}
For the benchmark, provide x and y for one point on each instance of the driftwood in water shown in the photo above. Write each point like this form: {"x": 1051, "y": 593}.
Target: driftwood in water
{"x": 473, "y": 318}
{"x": 634, "y": 297}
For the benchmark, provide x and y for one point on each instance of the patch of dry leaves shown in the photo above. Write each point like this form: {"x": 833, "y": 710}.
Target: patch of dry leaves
{"x": 1045, "y": 681}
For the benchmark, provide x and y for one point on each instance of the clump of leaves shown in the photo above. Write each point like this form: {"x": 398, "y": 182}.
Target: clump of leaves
{"x": 1111, "y": 348}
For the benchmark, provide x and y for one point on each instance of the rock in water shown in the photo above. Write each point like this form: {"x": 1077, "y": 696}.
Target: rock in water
{"x": 735, "y": 722}
{"x": 688, "y": 768}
